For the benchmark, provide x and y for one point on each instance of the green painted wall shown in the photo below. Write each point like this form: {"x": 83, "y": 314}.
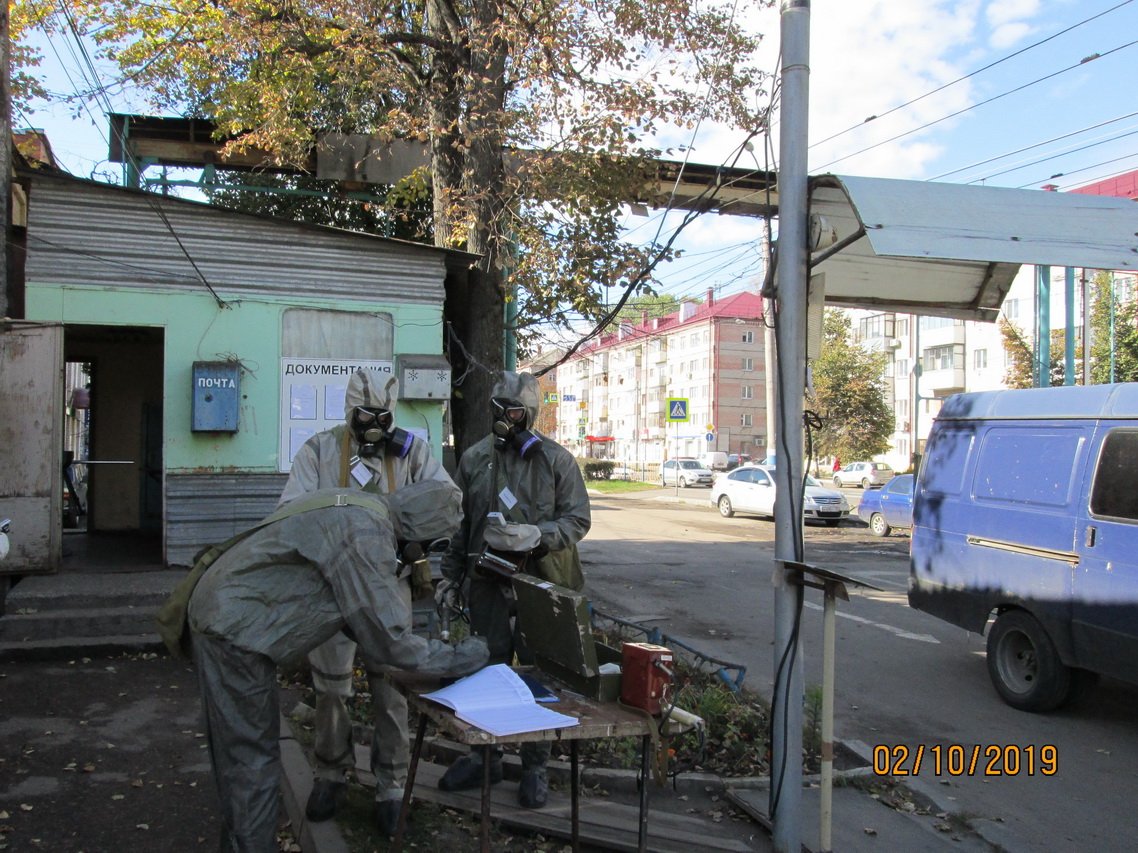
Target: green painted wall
{"x": 249, "y": 330}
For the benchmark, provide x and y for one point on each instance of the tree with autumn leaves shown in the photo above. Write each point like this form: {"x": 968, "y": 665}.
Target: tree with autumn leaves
{"x": 541, "y": 119}
{"x": 849, "y": 395}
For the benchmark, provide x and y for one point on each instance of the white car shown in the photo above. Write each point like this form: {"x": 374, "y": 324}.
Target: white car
{"x": 685, "y": 472}
{"x": 864, "y": 474}
{"x": 750, "y": 488}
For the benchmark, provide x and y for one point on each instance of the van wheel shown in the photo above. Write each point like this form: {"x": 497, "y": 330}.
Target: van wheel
{"x": 725, "y": 507}
{"x": 1024, "y": 665}
{"x": 683, "y": 482}
{"x": 877, "y": 525}
{"x": 865, "y": 484}
{"x": 837, "y": 482}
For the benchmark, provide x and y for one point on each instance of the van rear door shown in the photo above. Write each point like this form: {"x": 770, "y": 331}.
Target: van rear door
{"x": 1105, "y": 612}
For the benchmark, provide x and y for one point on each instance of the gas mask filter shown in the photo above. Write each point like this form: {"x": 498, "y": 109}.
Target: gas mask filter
{"x": 372, "y": 428}
{"x": 510, "y": 422}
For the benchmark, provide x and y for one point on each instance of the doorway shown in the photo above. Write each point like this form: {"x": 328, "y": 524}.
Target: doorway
{"x": 113, "y": 440}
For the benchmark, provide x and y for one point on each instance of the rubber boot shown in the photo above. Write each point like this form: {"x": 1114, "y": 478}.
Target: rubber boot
{"x": 466, "y": 773}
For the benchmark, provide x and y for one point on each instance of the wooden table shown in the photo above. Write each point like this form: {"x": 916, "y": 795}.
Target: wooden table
{"x": 596, "y": 720}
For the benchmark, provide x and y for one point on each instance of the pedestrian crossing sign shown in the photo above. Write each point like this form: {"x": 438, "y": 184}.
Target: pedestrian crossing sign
{"x": 678, "y": 410}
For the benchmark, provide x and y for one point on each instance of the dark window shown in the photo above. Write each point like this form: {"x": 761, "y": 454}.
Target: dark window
{"x": 1114, "y": 494}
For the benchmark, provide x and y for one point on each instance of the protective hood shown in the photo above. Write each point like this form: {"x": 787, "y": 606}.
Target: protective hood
{"x": 370, "y": 388}
{"x": 425, "y": 511}
{"x": 522, "y": 387}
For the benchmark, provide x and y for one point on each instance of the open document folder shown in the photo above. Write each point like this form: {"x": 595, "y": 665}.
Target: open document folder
{"x": 497, "y": 701}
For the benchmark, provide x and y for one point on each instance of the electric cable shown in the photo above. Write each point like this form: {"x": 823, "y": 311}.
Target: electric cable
{"x": 990, "y": 65}
{"x": 1056, "y": 156}
{"x": 982, "y": 103}
{"x": 1083, "y": 169}
{"x": 1030, "y": 147}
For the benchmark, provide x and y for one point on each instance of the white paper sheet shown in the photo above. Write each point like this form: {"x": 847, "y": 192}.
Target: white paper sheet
{"x": 497, "y": 701}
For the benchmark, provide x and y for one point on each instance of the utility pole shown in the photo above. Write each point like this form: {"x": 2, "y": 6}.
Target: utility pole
{"x": 5, "y": 155}
{"x": 790, "y": 324}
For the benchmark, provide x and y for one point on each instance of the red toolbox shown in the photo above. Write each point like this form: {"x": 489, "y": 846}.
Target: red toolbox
{"x": 646, "y": 672}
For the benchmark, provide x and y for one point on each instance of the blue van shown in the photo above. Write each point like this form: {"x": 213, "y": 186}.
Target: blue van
{"x": 1026, "y": 508}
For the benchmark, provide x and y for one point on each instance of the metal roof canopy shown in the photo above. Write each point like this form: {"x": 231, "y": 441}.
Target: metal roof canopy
{"x": 952, "y": 250}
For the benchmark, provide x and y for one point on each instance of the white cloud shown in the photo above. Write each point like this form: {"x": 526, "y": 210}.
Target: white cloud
{"x": 1001, "y": 12}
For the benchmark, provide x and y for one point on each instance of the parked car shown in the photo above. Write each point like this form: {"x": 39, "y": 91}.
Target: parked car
{"x": 751, "y": 488}
{"x": 685, "y": 472}
{"x": 716, "y": 460}
{"x": 888, "y": 507}
{"x": 734, "y": 460}
{"x": 864, "y": 474}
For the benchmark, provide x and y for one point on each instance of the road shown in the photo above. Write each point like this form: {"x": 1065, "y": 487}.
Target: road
{"x": 904, "y": 678}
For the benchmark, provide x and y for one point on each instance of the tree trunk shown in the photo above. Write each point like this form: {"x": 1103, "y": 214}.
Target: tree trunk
{"x": 485, "y": 192}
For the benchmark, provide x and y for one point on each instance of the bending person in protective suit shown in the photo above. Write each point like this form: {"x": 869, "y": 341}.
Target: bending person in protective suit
{"x": 365, "y": 452}
{"x": 284, "y": 589}
{"x": 536, "y": 486}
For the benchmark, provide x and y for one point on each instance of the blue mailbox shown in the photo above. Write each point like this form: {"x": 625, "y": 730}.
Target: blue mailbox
{"x": 217, "y": 392}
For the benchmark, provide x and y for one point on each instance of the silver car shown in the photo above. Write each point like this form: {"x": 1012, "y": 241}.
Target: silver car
{"x": 864, "y": 474}
{"x": 685, "y": 472}
{"x": 750, "y": 488}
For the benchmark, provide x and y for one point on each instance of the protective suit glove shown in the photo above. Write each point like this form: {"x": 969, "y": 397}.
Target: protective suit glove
{"x": 469, "y": 656}
{"x": 512, "y": 536}
{"x": 446, "y": 593}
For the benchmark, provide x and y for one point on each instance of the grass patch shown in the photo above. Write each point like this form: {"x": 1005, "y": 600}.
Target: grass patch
{"x": 618, "y": 487}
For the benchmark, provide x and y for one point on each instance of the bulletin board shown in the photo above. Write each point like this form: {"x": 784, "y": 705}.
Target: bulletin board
{"x": 312, "y": 398}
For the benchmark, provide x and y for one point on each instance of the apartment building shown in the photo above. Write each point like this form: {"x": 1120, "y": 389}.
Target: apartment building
{"x": 931, "y": 358}
{"x": 613, "y": 395}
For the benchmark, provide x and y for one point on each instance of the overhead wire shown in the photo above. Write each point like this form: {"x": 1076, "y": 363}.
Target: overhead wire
{"x": 982, "y": 103}
{"x": 87, "y": 66}
{"x": 1018, "y": 166}
{"x": 1084, "y": 169}
{"x": 1032, "y": 146}
{"x": 970, "y": 74}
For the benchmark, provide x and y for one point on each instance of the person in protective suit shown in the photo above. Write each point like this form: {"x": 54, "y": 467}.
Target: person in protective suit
{"x": 366, "y": 452}
{"x": 327, "y": 566}
{"x": 537, "y": 488}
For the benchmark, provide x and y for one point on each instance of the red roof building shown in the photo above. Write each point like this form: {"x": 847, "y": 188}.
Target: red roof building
{"x": 614, "y": 395}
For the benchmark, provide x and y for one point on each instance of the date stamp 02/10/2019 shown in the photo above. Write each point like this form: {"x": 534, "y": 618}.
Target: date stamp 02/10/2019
{"x": 959, "y": 760}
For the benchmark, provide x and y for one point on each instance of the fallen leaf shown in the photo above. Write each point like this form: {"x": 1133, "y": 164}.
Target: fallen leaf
{"x": 136, "y": 783}
{"x": 88, "y": 768}
{"x": 25, "y": 807}
{"x": 142, "y": 826}
{"x": 118, "y": 796}
{"x": 869, "y": 830}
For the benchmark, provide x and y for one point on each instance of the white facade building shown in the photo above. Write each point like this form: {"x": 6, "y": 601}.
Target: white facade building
{"x": 613, "y": 396}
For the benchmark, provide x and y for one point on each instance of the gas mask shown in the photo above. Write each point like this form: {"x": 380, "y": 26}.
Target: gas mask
{"x": 372, "y": 428}
{"x": 510, "y": 422}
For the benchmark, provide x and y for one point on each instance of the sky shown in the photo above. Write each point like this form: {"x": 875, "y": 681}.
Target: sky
{"x": 1002, "y": 93}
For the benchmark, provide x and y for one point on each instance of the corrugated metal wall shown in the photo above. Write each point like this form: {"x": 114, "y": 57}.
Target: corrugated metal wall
{"x": 206, "y": 509}
{"x": 82, "y": 232}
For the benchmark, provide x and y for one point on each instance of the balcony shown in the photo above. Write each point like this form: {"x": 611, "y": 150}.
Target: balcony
{"x": 941, "y": 383}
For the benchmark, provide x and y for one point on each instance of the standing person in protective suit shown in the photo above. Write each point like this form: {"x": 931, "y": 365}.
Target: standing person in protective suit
{"x": 366, "y": 452}
{"x": 537, "y": 487}
{"x": 327, "y": 565}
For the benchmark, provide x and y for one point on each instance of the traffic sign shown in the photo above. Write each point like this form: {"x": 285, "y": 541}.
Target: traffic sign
{"x": 710, "y": 437}
{"x": 678, "y": 412}
{"x": 710, "y": 427}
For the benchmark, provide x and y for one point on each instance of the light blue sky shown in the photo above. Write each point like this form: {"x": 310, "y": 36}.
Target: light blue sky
{"x": 869, "y": 57}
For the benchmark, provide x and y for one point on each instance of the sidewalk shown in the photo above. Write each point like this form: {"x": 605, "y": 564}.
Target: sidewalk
{"x": 107, "y": 755}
